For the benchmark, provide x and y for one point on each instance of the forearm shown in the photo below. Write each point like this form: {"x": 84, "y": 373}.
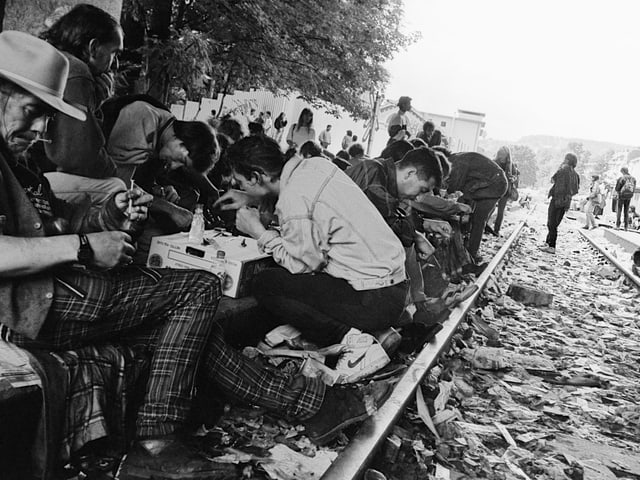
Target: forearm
{"x": 97, "y": 218}
{"x": 25, "y": 256}
{"x": 272, "y": 243}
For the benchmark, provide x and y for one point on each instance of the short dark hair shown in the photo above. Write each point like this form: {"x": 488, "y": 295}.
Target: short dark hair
{"x": 404, "y": 100}
{"x": 425, "y": 161}
{"x": 396, "y": 150}
{"x": 255, "y": 128}
{"x": 199, "y": 138}
{"x": 571, "y": 159}
{"x": 349, "y": 132}
{"x": 343, "y": 155}
{"x": 428, "y": 125}
{"x": 310, "y": 149}
{"x": 256, "y": 154}
{"x": 73, "y": 31}
{"x": 418, "y": 142}
{"x": 356, "y": 149}
{"x": 231, "y": 128}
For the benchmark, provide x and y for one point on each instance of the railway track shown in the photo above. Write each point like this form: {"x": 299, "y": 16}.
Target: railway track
{"x": 355, "y": 459}
{"x": 365, "y": 447}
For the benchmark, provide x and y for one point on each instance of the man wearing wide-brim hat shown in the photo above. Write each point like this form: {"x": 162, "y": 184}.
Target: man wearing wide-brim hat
{"x": 65, "y": 281}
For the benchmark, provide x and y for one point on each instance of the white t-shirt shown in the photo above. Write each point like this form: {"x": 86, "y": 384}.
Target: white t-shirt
{"x": 301, "y": 136}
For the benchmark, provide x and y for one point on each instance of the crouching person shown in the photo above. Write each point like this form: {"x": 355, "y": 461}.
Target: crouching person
{"x": 387, "y": 183}
{"x": 343, "y": 266}
{"x": 482, "y": 183}
{"x": 65, "y": 284}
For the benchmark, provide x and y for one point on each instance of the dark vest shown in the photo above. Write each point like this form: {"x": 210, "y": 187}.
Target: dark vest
{"x": 24, "y": 301}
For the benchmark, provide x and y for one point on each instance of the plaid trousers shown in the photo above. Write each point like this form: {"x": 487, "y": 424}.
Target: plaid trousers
{"x": 170, "y": 312}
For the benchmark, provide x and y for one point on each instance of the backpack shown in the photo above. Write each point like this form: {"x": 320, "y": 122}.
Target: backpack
{"x": 110, "y": 109}
{"x": 628, "y": 187}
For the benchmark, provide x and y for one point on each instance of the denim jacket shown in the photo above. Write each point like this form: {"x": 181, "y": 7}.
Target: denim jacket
{"x": 327, "y": 224}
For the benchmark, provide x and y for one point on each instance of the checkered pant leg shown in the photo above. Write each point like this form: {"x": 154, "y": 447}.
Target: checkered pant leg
{"x": 169, "y": 311}
{"x": 295, "y": 397}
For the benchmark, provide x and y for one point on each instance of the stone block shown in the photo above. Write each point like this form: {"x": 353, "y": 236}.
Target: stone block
{"x": 529, "y": 296}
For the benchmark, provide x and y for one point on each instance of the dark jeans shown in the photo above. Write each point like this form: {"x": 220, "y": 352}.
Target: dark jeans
{"x": 325, "y": 308}
{"x": 554, "y": 218}
{"x": 502, "y": 203}
{"x": 479, "y": 219}
{"x": 623, "y": 206}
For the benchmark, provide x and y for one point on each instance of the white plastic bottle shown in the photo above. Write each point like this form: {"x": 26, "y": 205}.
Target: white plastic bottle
{"x": 196, "y": 233}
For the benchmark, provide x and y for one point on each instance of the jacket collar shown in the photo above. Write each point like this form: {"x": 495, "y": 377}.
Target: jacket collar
{"x": 391, "y": 175}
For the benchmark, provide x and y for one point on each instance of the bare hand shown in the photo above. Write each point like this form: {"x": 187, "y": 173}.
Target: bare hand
{"x": 438, "y": 227}
{"x": 424, "y": 248}
{"x": 181, "y": 217}
{"x": 233, "y": 200}
{"x": 464, "y": 208}
{"x": 248, "y": 221}
{"x": 111, "y": 249}
{"x": 171, "y": 195}
{"x": 140, "y": 201}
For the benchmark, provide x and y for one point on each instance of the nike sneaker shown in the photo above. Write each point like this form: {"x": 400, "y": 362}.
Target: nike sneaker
{"x": 365, "y": 357}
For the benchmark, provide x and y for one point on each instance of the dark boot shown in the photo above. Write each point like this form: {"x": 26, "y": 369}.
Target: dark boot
{"x": 174, "y": 461}
{"x": 344, "y": 406}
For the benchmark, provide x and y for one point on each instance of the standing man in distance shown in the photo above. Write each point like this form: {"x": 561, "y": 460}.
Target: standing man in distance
{"x": 325, "y": 137}
{"x": 566, "y": 183}
{"x": 347, "y": 140}
{"x": 625, "y": 188}
{"x": 397, "y": 124}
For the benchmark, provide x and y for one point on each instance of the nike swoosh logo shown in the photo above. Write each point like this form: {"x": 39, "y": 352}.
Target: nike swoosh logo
{"x": 355, "y": 362}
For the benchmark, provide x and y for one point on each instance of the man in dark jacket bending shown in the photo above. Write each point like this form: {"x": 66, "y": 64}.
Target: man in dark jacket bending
{"x": 482, "y": 183}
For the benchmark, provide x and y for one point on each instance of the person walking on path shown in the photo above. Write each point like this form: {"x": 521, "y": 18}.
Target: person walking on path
{"x": 503, "y": 159}
{"x": 566, "y": 183}
{"x": 593, "y": 200}
{"x": 625, "y": 188}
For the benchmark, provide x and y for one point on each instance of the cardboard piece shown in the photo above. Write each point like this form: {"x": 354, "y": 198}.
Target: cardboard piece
{"x": 243, "y": 259}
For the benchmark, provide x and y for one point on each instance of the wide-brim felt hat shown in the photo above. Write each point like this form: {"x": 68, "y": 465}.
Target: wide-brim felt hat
{"x": 37, "y": 67}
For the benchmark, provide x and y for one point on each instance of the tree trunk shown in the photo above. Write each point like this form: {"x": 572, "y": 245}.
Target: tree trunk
{"x": 2, "y": 5}
{"x": 161, "y": 19}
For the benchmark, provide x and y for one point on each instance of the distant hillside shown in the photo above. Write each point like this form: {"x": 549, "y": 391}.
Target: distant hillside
{"x": 538, "y": 142}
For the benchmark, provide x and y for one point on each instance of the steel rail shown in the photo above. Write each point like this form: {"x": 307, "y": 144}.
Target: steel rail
{"x": 616, "y": 263}
{"x": 353, "y": 461}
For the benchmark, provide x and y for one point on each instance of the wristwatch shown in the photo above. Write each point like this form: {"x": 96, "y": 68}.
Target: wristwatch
{"x": 85, "y": 252}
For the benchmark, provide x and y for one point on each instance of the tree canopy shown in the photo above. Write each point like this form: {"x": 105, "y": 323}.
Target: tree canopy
{"x": 525, "y": 158}
{"x": 330, "y": 52}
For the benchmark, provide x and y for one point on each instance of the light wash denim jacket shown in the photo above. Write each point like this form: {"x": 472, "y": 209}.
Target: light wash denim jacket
{"x": 327, "y": 224}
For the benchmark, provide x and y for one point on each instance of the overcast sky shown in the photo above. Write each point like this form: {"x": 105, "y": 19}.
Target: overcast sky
{"x": 561, "y": 67}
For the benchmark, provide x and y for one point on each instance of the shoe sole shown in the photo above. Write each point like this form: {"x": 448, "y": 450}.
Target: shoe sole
{"x": 139, "y": 473}
{"x": 333, "y": 433}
